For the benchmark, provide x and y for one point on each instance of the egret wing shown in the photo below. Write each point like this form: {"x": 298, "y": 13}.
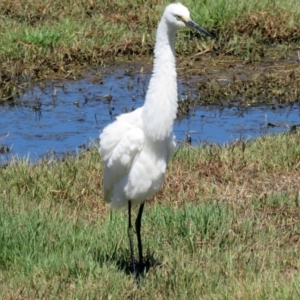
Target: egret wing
{"x": 119, "y": 145}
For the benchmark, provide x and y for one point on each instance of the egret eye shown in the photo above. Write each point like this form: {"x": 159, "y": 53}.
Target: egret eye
{"x": 179, "y": 18}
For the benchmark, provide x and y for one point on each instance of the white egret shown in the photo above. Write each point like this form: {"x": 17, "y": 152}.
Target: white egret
{"x": 137, "y": 146}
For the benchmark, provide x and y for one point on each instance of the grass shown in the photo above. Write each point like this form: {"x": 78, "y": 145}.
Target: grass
{"x": 43, "y": 39}
{"x": 225, "y": 226}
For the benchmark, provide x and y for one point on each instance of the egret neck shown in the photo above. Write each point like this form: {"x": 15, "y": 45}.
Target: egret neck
{"x": 160, "y": 108}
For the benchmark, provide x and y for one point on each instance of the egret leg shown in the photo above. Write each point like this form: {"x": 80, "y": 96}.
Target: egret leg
{"x": 130, "y": 234}
{"x": 138, "y": 224}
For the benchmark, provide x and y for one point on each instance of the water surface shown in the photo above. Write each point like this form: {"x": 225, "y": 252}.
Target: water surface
{"x": 61, "y": 116}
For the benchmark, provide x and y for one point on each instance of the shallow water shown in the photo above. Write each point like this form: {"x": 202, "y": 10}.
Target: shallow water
{"x": 58, "y": 117}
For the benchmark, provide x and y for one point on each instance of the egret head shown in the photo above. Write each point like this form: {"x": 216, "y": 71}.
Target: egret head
{"x": 177, "y": 15}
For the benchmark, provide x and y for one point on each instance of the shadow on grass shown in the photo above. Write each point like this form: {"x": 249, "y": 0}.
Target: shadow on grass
{"x": 123, "y": 262}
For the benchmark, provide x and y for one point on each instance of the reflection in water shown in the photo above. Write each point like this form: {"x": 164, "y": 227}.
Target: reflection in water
{"x": 62, "y": 117}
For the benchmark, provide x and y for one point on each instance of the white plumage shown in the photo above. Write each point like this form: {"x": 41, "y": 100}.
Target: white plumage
{"x": 137, "y": 146}
{"x": 134, "y": 162}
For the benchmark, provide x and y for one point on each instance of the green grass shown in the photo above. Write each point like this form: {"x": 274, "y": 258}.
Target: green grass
{"x": 225, "y": 226}
{"x": 42, "y": 39}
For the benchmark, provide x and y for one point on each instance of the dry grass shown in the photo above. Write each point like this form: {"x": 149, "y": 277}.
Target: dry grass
{"x": 225, "y": 225}
{"x": 237, "y": 172}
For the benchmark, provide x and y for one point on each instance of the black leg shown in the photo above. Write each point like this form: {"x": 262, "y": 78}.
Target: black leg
{"x": 138, "y": 224}
{"x": 130, "y": 234}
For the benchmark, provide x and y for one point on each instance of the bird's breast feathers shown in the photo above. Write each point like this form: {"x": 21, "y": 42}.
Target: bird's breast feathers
{"x": 134, "y": 164}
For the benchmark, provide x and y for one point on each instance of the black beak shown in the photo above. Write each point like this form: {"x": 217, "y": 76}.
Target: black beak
{"x": 192, "y": 24}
